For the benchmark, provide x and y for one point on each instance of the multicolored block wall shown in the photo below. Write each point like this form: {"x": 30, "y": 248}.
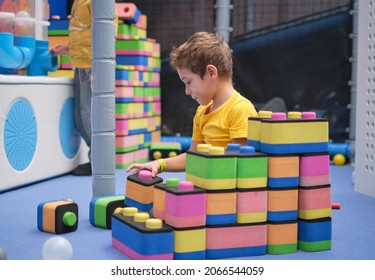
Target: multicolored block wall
{"x": 241, "y": 201}
{"x": 138, "y": 104}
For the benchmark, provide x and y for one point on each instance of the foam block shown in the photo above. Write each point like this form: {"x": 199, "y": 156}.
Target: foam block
{"x": 159, "y": 196}
{"x": 314, "y": 169}
{"x": 139, "y": 190}
{"x": 252, "y": 169}
{"x": 253, "y": 129}
{"x": 314, "y": 235}
{"x": 102, "y": 208}
{"x": 221, "y": 207}
{"x": 314, "y": 202}
{"x": 190, "y": 243}
{"x": 282, "y": 204}
{"x": 212, "y": 170}
{"x": 164, "y": 150}
{"x": 128, "y": 12}
{"x": 142, "y": 238}
{"x": 251, "y": 205}
{"x": 294, "y": 136}
{"x": 283, "y": 171}
{"x": 238, "y": 240}
{"x": 185, "y": 206}
{"x": 57, "y": 216}
{"x": 282, "y": 237}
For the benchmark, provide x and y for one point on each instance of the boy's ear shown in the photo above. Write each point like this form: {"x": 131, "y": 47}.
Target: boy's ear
{"x": 211, "y": 70}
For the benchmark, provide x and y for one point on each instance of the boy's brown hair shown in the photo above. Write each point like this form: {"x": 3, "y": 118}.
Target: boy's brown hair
{"x": 200, "y": 50}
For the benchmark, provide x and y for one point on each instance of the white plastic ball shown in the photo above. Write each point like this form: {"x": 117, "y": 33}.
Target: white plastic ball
{"x": 57, "y": 248}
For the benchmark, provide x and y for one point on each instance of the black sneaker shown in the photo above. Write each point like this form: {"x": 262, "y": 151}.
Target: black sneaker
{"x": 83, "y": 170}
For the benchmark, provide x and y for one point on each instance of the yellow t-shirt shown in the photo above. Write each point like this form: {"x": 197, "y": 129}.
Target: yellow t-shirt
{"x": 227, "y": 122}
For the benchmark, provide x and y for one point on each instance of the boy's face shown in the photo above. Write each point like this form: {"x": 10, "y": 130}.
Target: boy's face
{"x": 199, "y": 89}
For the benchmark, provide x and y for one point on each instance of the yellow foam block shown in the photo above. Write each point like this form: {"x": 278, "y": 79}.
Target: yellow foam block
{"x": 189, "y": 240}
{"x": 212, "y": 184}
{"x": 294, "y": 131}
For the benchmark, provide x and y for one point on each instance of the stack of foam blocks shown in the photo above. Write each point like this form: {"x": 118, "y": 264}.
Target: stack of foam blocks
{"x": 270, "y": 197}
{"x": 299, "y": 190}
{"x": 138, "y": 104}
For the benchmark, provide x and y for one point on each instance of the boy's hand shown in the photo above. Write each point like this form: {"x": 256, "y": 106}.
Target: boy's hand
{"x": 153, "y": 166}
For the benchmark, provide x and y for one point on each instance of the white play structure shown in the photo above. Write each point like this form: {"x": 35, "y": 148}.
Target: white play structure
{"x": 38, "y": 138}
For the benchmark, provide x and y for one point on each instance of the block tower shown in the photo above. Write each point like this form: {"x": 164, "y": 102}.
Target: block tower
{"x": 232, "y": 178}
{"x": 138, "y": 106}
{"x": 299, "y": 200}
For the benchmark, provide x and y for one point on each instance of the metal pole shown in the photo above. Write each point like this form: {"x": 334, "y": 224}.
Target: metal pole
{"x": 223, "y": 10}
{"x": 249, "y": 15}
{"x": 103, "y": 98}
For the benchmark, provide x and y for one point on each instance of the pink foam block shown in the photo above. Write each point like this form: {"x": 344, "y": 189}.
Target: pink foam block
{"x": 128, "y": 11}
{"x": 122, "y": 127}
{"x": 141, "y": 154}
{"x": 151, "y": 122}
{"x": 125, "y": 157}
{"x": 317, "y": 198}
{"x": 124, "y": 92}
{"x": 314, "y": 170}
{"x": 66, "y": 66}
{"x": 236, "y": 236}
{"x": 314, "y": 165}
{"x": 251, "y": 201}
{"x": 185, "y": 205}
{"x": 136, "y": 256}
{"x": 127, "y": 141}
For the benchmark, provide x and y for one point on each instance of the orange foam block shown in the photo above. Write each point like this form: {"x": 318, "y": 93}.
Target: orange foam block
{"x": 139, "y": 190}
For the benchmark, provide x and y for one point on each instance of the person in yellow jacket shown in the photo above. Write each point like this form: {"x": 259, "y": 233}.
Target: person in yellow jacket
{"x": 79, "y": 50}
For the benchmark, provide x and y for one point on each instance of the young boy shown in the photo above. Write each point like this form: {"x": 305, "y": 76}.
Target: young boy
{"x": 204, "y": 64}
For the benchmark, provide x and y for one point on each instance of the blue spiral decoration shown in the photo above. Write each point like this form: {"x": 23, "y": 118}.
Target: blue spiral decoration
{"x": 70, "y": 139}
{"x": 20, "y": 134}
